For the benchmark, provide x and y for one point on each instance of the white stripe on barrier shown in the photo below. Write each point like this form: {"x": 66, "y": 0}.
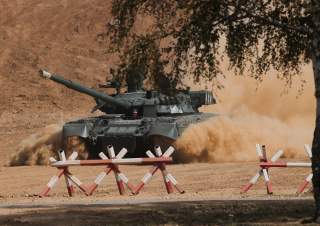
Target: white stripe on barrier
{"x": 265, "y": 174}
{"x": 52, "y": 160}
{"x": 111, "y": 152}
{"x": 259, "y": 150}
{"x": 146, "y": 177}
{"x": 122, "y": 153}
{"x": 132, "y": 160}
{"x": 158, "y": 151}
{"x": 100, "y": 177}
{"x": 172, "y": 179}
{"x": 308, "y": 150}
{"x": 255, "y": 178}
{"x": 150, "y": 154}
{"x": 168, "y": 152}
{"x": 53, "y": 181}
{"x": 298, "y": 164}
{"x": 74, "y": 179}
{"x": 62, "y": 156}
{"x": 277, "y": 155}
{"x": 123, "y": 178}
{"x": 73, "y": 156}
{"x": 103, "y": 156}
{"x": 309, "y": 178}
{"x": 67, "y": 163}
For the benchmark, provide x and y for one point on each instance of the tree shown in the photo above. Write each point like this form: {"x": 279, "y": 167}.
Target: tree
{"x": 256, "y": 35}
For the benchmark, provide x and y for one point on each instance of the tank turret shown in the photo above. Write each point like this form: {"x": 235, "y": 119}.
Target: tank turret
{"x": 150, "y": 103}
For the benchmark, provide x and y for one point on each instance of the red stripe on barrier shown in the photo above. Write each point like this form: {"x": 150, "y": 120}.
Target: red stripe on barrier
{"x": 246, "y": 188}
{"x": 169, "y": 186}
{"x": 269, "y": 188}
{"x": 273, "y": 164}
{"x": 302, "y": 187}
{"x": 138, "y": 188}
{"x": 70, "y": 190}
{"x": 44, "y": 192}
{"x": 92, "y": 188}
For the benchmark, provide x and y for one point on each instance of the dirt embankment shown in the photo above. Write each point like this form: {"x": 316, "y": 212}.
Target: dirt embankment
{"x": 61, "y": 36}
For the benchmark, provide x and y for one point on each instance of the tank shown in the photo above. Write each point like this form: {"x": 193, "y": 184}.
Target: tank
{"x": 135, "y": 119}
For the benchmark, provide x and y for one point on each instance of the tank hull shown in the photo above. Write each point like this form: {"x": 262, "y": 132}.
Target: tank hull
{"x": 136, "y": 136}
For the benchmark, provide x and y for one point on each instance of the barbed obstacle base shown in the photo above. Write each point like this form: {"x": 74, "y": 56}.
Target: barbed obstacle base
{"x": 275, "y": 163}
{"x": 111, "y": 164}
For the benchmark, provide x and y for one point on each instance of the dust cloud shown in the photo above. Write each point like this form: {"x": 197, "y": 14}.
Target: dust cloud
{"x": 250, "y": 113}
{"x": 39, "y": 147}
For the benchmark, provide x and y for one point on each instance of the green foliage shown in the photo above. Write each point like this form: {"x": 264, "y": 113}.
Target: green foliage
{"x": 144, "y": 57}
{"x": 255, "y": 35}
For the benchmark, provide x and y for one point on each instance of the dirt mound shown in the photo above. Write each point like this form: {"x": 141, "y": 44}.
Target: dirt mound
{"x": 61, "y": 36}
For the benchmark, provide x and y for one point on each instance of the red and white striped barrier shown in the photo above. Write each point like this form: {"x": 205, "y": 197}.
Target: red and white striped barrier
{"x": 261, "y": 151}
{"x": 121, "y": 179}
{"x": 308, "y": 179}
{"x": 70, "y": 188}
{"x": 112, "y": 164}
{"x": 69, "y": 178}
{"x": 283, "y": 164}
{"x": 274, "y": 163}
{"x": 168, "y": 179}
{"x": 129, "y": 161}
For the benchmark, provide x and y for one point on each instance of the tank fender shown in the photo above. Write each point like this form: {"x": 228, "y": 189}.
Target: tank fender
{"x": 169, "y": 130}
{"x": 77, "y": 129}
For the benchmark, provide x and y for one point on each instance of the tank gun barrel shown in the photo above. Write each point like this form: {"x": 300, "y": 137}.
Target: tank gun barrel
{"x": 82, "y": 89}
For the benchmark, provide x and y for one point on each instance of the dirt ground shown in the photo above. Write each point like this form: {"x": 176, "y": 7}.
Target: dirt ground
{"x": 200, "y": 180}
{"x": 67, "y": 37}
{"x": 221, "y": 183}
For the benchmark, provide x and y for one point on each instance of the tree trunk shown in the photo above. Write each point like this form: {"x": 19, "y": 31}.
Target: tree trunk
{"x": 316, "y": 137}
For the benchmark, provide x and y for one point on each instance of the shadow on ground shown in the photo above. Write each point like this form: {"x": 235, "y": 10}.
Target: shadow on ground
{"x": 262, "y": 212}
